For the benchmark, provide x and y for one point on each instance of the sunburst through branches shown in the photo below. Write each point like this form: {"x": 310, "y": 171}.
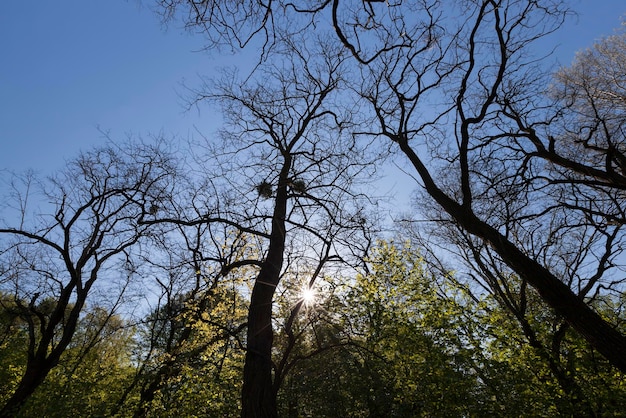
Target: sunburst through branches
{"x": 308, "y": 295}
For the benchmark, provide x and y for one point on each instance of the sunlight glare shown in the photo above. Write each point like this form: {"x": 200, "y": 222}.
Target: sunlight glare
{"x": 308, "y": 296}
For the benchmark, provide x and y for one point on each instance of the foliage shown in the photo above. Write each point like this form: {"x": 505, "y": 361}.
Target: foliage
{"x": 12, "y": 340}
{"x": 404, "y": 353}
{"x": 91, "y": 374}
{"x": 396, "y": 341}
{"x": 199, "y": 373}
{"x": 406, "y": 343}
{"x": 526, "y": 186}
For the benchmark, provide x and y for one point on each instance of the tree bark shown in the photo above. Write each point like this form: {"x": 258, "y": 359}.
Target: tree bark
{"x": 258, "y": 395}
{"x": 597, "y": 332}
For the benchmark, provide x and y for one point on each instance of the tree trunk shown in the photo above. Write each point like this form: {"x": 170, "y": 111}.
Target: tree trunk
{"x": 258, "y": 395}
{"x": 573, "y": 309}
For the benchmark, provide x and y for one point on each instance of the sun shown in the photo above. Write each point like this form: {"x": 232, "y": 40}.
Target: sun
{"x": 308, "y": 296}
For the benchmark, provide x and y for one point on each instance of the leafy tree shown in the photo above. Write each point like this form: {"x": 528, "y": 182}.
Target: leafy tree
{"x": 400, "y": 341}
{"x": 13, "y": 338}
{"x": 552, "y": 371}
{"x": 192, "y": 338}
{"x": 197, "y": 372}
{"x": 389, "y": 344}
{"x": 92, "y": 372}
{"x": 530, "y": 340}
{"x": 412, "y": 332}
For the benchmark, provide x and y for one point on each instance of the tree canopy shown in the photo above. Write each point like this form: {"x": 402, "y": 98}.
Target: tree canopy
{"x": 153, "y": 282}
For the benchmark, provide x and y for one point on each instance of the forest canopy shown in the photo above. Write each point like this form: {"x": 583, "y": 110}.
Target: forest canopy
{"x": 251, "y": 272}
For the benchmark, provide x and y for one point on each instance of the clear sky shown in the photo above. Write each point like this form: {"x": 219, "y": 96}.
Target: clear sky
{"x": 69, "y": 67}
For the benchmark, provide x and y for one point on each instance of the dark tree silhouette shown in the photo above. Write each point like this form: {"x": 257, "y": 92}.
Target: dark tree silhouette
{"x": 456, "y": 88}
{"x": 55, "y": 261}
{"x": 284, "y": 175}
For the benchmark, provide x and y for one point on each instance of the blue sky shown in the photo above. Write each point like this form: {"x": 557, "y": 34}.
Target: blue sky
{"x": 68, "y": 67}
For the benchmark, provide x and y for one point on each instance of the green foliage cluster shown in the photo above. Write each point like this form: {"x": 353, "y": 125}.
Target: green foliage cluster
{"x": 397, "y": 341}
{"x": 91, "y": 375}
{"x": 420, "y": 345}
{"x": 538, "y": 190}
{"x": 199, "y": 371}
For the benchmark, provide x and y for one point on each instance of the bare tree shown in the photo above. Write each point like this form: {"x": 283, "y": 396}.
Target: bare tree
{"x": 83, "y": 239}
{"x": 304, "y": 168}
{"x": 498, "y": 184}
{"x": 284, "y": 175}
{"x": 455, "y": 86}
